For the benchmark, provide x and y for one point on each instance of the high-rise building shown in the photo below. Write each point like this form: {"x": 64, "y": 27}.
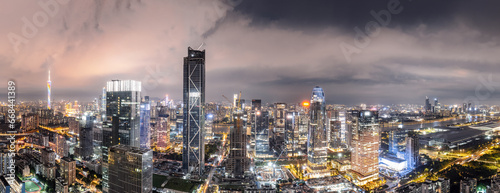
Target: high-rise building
{"x": 193, "y": 151}
{"x": 162, "y": 132}
{"x": 145, "y": 116}
{"x": 365, "y": 146}
{"x": 428, "y": 106}
{"x": 256, "y": 104}
{"x": 316, "y": 143}
{"x": 238, "y": 162}
{"x": 292, "y": 133}
{"x": 49, "y": 88}
{"x": 123, "y": 118}
{"x": 412, "y": 155}
{"x": 262, "y": 134}
{"x": 130, "y": 169}
{"x": 67, "y": 169}
{"x": 86, "y": 136}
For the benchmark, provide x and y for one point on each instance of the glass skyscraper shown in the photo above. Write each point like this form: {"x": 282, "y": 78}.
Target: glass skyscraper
{"x": 130, "y": 169}
{"x": 193, "y": 151}
{"x": 316, "y": 143}
{"x": 145, "y": 116}
{"x": 365, "y": 145}
{"x": 122, "y": 115}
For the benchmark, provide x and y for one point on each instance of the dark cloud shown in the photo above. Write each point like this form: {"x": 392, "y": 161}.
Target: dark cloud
{"x": 274, "y": 50}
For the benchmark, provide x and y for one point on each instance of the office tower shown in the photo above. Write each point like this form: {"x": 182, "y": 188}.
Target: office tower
{"x": 86, "y": 136}
{"x": 292, "y": 133}
{"x": 130, "y": 169}
{"x": 163, "y": 132}
{"x": 256, "y": 104}
{"x": 365, "y": 143}
{"x": 67, "y": 169}
{"x": 103, "y": 104}
{"x": 238, "y": 162}
{"x": 468, "y": 185}
{"x": 262, "y": 134}
{"x": 145, "y": 117}
{"x": 428, "y": 105}
{"x": 279, "y": 114}
{"x": 344, "y": 139}
{"x": 123, "y": 116}
{"x": 49, "y": 87}
{"x": 193, "y": 151}
{"x": 335, "y": 131}
{"x": 436, "y": 103}
{"x": 412, "y": 155}
{"x": 316, "y": 143}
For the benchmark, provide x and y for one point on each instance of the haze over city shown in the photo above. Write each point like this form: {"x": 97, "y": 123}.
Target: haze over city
{"x": 273, "y": 50}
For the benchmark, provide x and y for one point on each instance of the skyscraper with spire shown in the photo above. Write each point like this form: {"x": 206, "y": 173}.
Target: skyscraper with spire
{"x": 316, "y": 142}
{"x": 49, "y": 85}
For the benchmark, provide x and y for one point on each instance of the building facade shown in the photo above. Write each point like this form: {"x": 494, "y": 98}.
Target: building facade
{"x": 193, "y": 151}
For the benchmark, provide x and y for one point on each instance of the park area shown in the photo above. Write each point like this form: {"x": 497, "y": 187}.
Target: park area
{"x": 32, "y": 187}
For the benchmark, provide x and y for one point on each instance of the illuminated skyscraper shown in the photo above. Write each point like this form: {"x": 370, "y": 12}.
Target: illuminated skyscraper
{"x": 130, "y": 169}
{"x": 316, "y": 143}
{"x": 292, "y": 133}
{"x": 193, "y": 151}
{"x": 365, "y": 145}
{"x": 144, "y": 123}
{"x": 49, "y": 85}
{"x": 123, "y": 118}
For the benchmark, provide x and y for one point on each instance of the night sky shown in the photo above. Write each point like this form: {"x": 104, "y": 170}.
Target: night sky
{"x": 273, "y": 50}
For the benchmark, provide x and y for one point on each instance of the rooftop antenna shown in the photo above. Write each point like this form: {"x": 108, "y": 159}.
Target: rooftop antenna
{"x": 202, "y": 44}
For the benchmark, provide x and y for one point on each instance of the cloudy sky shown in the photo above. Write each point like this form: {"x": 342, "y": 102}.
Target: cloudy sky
{"x": 358, "y": 51}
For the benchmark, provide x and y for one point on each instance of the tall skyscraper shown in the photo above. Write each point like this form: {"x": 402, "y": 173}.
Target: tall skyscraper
{"x": 238, "y": 162}
{"x": 145, "y": 116}
{"x": 316, "y": 143}
{"x": 262, "y": 134}
{"x": 49, "y": 85}
{"x": 130, "y": 169}
{"x": 365, "y": 145}
{"x": 86, "y": 136}
{"x": 123, "y": 116}
{"x": 163, "y": 132}
{"x": 292, "y": 133}
{"x": 103, "y": 105}
{"x": 412, "y": 154}
{"x": 428, "y": 105}
{"x": 193, "y": 151}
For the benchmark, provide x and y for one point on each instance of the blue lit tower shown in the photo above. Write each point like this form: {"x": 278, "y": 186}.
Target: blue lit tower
{"x": 193, "y": 151}
{"x": 144, "y": 125}
{"x": 316, "y": 143}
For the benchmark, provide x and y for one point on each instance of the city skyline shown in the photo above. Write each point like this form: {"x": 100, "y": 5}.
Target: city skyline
{"x": 260, "y": 49}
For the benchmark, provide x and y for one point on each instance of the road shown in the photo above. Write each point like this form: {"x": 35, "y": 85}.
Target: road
{"x": 220, "y": 158}
{"x": 472, "y": 157}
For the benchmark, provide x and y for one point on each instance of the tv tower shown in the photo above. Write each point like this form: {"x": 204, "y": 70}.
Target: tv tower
{"x": 49, "y": 84}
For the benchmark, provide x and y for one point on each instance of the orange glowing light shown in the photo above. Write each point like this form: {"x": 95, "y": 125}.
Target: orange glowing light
{"x": 305, "y": 104}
